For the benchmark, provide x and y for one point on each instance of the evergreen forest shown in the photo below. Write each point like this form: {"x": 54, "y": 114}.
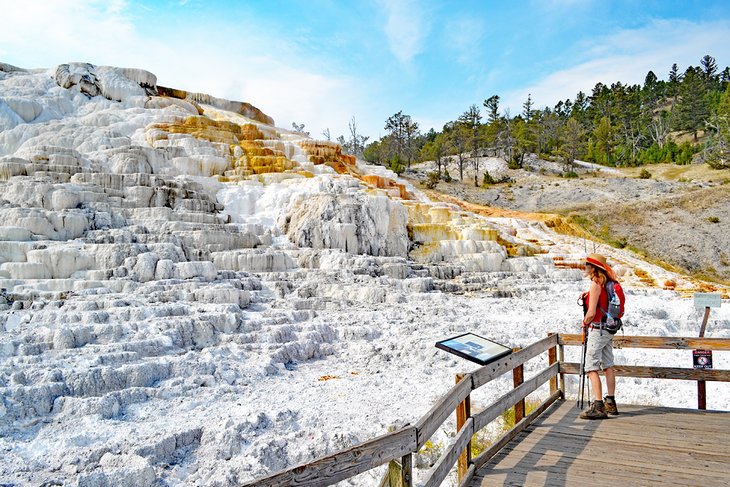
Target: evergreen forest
{"x": 680, "y": 120}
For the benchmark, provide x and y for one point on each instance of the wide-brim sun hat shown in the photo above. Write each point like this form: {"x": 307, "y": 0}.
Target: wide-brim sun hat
{"x": 599, "y": 261}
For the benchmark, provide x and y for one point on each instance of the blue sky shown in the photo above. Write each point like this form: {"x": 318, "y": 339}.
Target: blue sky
{"x": 321, "y": 62}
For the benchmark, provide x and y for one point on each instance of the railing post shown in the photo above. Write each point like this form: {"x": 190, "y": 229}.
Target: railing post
{"x": 561, "y": 359}
{"x": 552, "y": 358}
{"x": 517, "y": 379}
{"x": 463, "y": 411}
{"x": 701, "y": 389}
{"x": 407, "y": 470}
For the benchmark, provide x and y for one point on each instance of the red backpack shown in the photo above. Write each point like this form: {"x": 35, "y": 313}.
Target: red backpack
{"x": 616, "y": 300}
{"x": 612, "y": 316}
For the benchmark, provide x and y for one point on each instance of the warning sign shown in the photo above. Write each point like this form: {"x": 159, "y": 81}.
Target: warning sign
{"x": 702, "y": 359}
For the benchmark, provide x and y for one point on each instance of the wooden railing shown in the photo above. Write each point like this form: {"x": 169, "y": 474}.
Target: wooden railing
{"x": 649, "y": 372}
{"x": 402, "y": 444}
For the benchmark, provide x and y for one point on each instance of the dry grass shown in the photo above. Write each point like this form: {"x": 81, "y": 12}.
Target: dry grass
{"x": 673, "y": 172}
{"x": 481, "y": 440}
{"x": 621, "y": 212}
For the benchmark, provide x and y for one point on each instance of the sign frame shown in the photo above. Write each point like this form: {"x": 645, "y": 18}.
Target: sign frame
{"x": 707, "y": 300}
{"x": 702, "y": 359}
{"x": 472, "y": 347}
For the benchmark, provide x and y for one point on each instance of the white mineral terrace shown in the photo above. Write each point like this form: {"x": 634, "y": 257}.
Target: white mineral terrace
{"x": 162, "y": 325}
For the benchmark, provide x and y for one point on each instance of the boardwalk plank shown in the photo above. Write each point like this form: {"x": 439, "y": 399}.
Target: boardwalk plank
{"x": 585, "y": 473}
{"x": 657, "y": 438}
{"x": 648, "y": 446}
{"x": 626, "y": 453}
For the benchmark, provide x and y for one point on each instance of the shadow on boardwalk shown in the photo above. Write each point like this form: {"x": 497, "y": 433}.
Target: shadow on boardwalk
{"x": 577, "y": 431}
{"x": 647, "y": 446}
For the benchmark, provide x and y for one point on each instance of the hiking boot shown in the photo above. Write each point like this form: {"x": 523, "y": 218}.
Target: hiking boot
{"x": 610, "y": 406}
{"x": 596, "y": 411}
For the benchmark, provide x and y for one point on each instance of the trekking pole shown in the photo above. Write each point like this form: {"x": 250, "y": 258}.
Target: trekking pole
{"x": 582, "y": 380}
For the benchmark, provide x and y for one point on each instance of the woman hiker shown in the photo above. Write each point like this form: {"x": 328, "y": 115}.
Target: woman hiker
{"x": 599, "y": 349}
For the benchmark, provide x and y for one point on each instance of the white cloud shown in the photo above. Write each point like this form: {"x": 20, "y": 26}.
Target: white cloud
{"x": 627, "y": 56}
{"x": 465, "y": 36}
{"x": 255, "y": 67}
{"x": 406, "y": 28}
{"x": 53, "y": 32}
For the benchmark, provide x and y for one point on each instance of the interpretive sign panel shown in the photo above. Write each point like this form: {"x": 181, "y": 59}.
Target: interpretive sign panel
{"x": 475, "y": 348}
{"x": 707, "y": 300}
{"x": 702, "y": 359}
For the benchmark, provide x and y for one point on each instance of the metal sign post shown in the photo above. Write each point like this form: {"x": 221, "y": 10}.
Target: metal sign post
{"x": 702, "y": 359}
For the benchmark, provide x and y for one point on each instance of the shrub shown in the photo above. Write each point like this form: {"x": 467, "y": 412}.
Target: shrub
{"x": 429, "y": 454}
{"x": 488, "y": 179}
{"x": 396, "y": 165}
{"x": 514, "y": 163}
{"x": 713, "y": 219}
{"x": 447, "y": 176}
{"x": 684, "y": 154}
{"x": 644, "y": 174}
{"x": 570, "y": 175}
{"x": 432, "y": 179}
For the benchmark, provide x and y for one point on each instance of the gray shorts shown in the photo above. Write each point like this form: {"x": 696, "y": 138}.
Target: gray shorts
{"x": 599, "y": 351}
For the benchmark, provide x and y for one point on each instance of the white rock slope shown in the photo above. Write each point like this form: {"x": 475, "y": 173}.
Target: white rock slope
{"x": 192, "y": 296}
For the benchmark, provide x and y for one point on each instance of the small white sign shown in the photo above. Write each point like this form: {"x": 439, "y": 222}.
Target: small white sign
{"x": 707, "y": 300}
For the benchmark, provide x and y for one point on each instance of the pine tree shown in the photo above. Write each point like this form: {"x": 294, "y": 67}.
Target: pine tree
{"x": 435, "y": 150}
{"x": 527, "y": 108}
{"x": 471, "y": 119}
{"x": 605, "y": 138}
{"x": 572, "y": 142}
{"x": 299, "y": 128}
{"x": 717, "y": 155}
{"x": 459, "y": 139}
{"x": 692, "y": 106}
{"x": 492, "y": 106}
{"x": 651, "y": 90}
{"x": 411, "y": 133}
{"x": 709, "y": 67}
{"x": 725, "y": 75}
{"x": 673, "y": 84}
{"x": 396, "y": 127}
{"x": 580, "y": 108}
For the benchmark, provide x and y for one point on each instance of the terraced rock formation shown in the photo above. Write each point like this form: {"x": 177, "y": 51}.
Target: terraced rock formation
{"x": 177, "y": 273}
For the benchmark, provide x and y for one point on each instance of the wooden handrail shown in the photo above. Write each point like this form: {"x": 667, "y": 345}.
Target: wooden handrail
{"x": 344, "y": 464}
{"x": 445, "y": 406}
{"x": 495, "y": 369}
{"x": 642, "y": 372}
{"x": 669, "y": 343}
{"x": 449, "y": 457}
{"x": 401, "y": 444}
{"x": 505, "y": 402}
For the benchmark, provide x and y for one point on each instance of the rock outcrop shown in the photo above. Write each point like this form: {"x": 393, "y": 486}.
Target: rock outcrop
{"x": 166, "y": 256}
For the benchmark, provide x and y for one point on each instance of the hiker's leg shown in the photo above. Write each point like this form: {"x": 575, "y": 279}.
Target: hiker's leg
{"x": 610, "y": 381}
{"x": 607, "y": 359}
{"x": 598, "y": 356}
{"x": 596, "y": 385}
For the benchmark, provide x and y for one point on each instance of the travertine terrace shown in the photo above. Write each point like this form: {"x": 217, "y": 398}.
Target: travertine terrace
{"x": 177, "y": 272}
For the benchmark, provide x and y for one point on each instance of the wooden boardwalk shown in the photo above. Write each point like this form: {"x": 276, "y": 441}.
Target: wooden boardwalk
{"x": 643, "y": 446}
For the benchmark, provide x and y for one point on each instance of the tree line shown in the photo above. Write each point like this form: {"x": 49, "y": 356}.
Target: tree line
{"x": 616, "y": 125}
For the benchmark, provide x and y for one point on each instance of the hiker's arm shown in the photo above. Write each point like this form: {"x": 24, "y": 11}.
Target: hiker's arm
{"x": 593, "y": 294}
